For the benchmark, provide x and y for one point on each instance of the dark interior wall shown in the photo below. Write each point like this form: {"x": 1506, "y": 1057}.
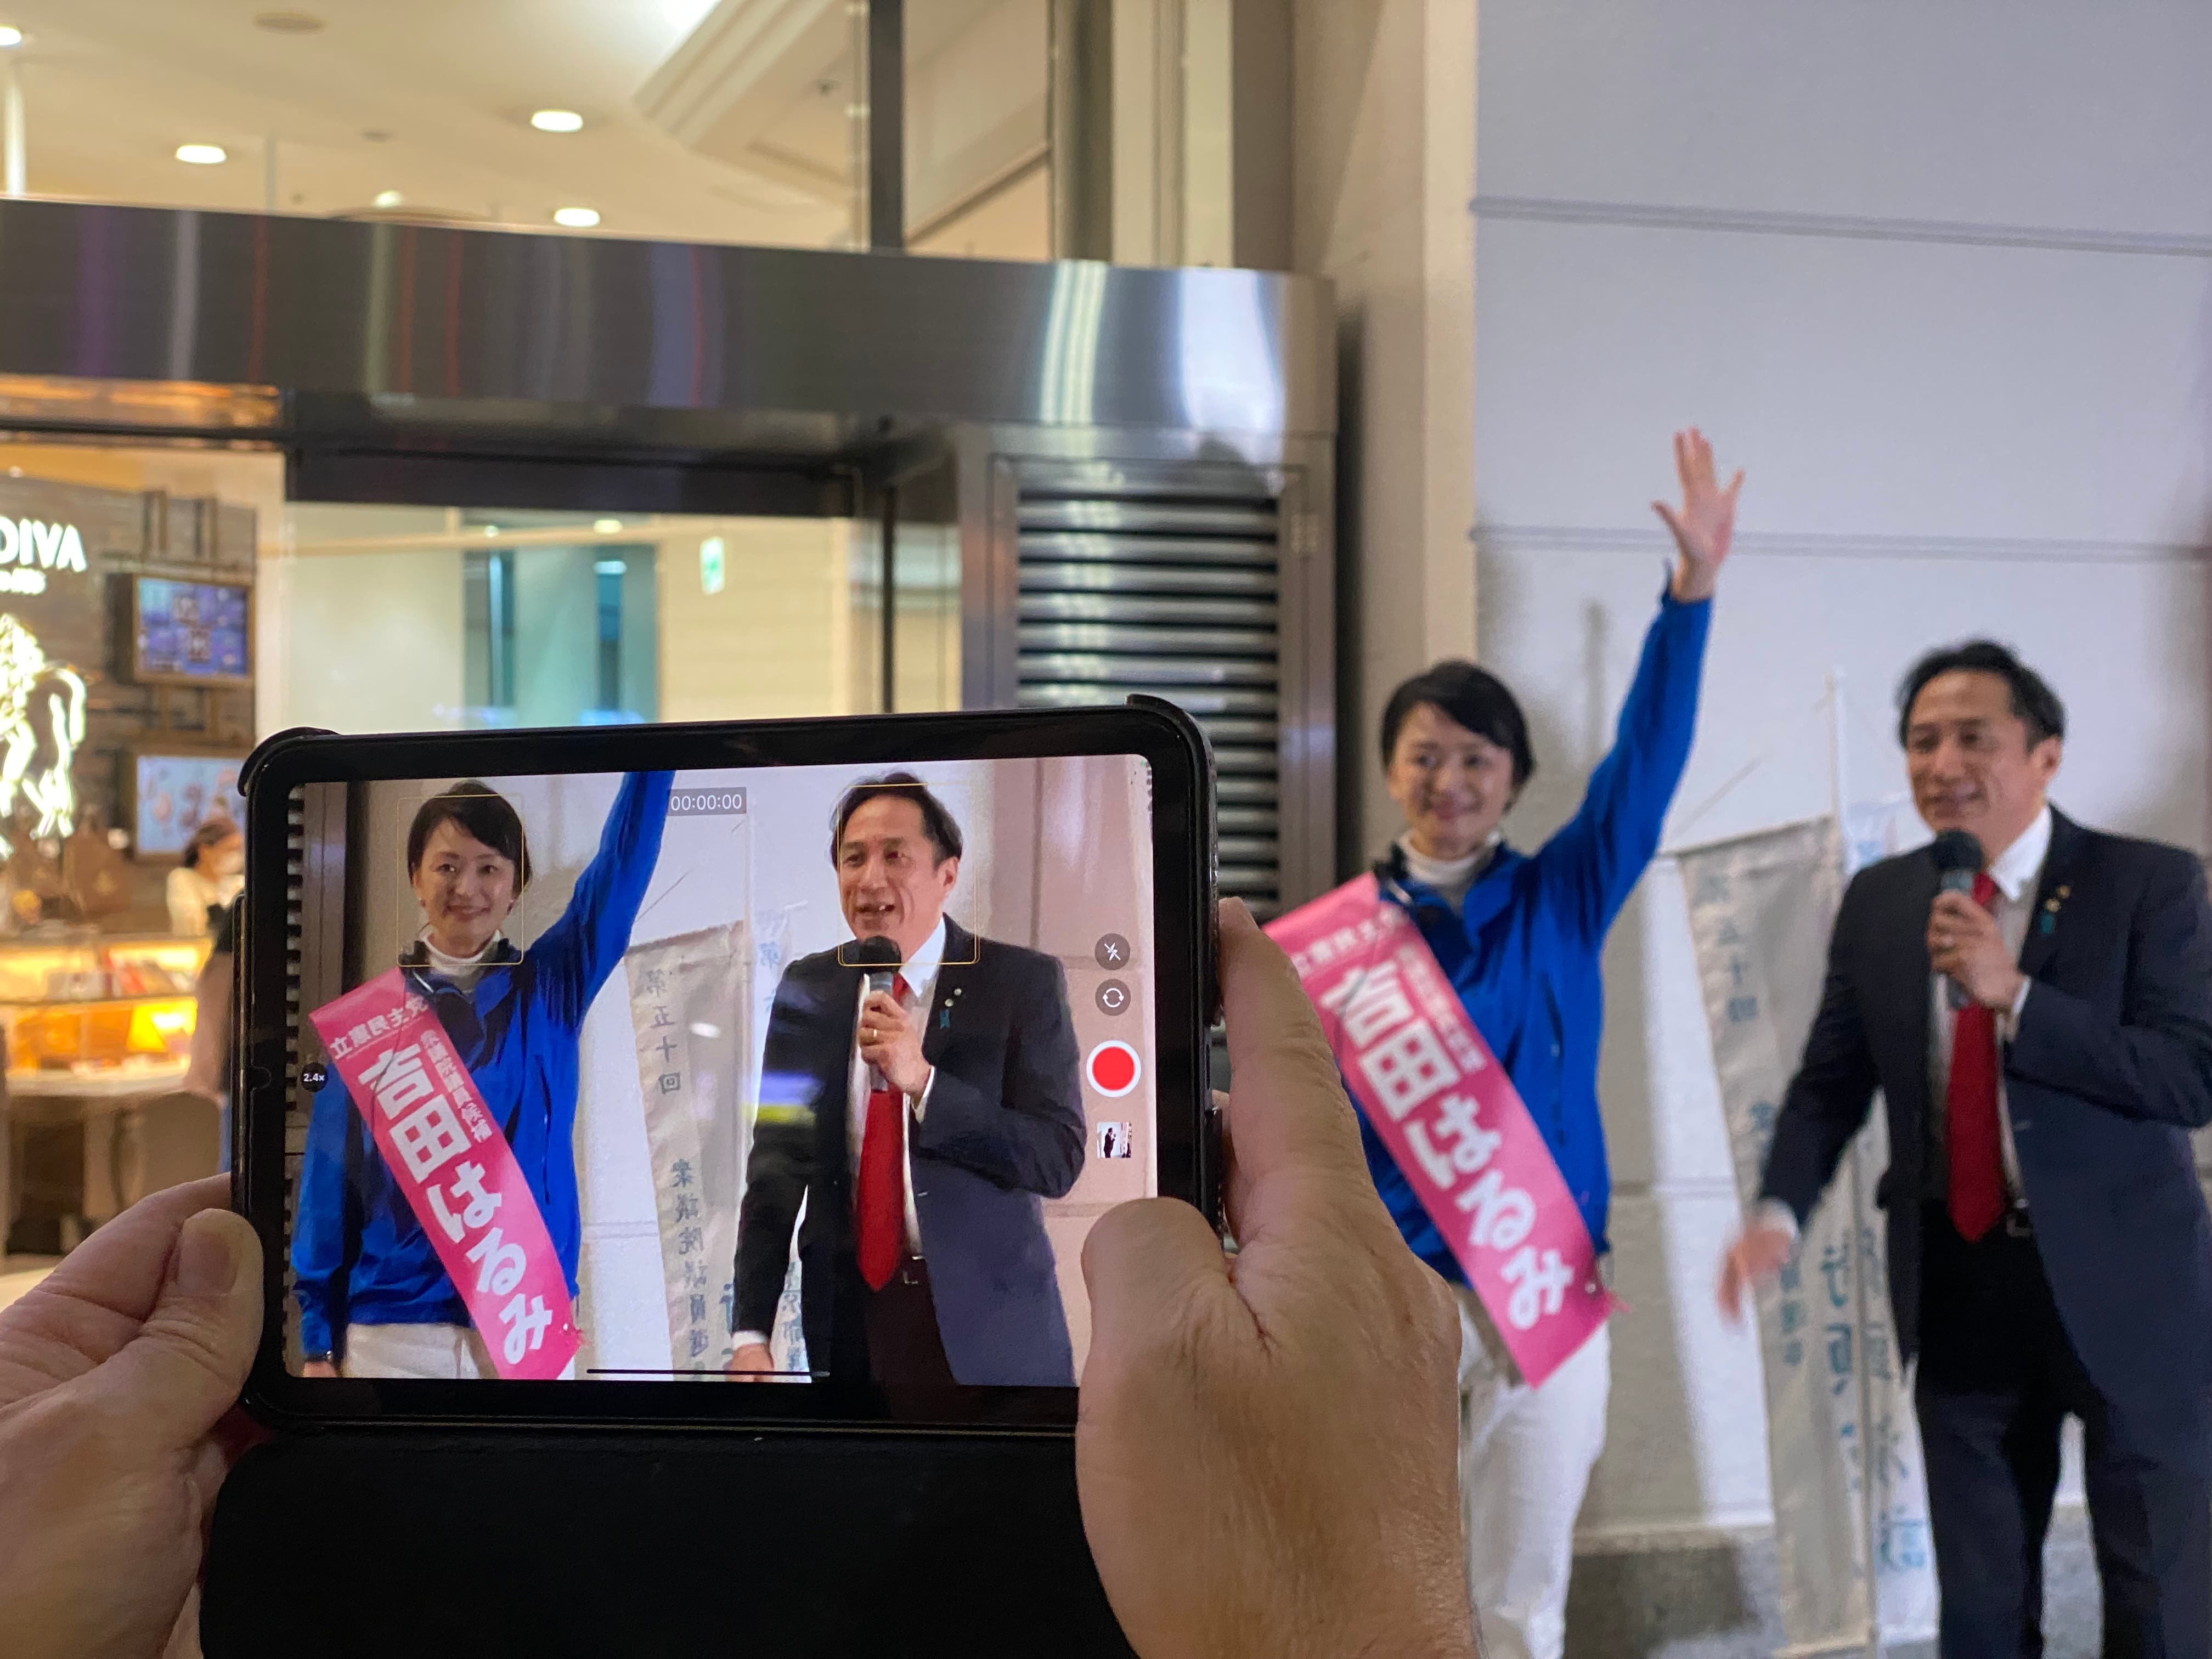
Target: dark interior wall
{"x": 82, "y": 620}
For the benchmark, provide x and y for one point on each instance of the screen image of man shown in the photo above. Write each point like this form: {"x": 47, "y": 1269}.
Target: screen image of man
{"x": 2033, "y": 997}
{"x": 922, "y": 1110}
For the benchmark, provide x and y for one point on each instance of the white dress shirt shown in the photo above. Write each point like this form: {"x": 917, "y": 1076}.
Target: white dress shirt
{"x": 921, "y": 976}
{"x": 2018, "y": 873}
{"x": 919, "y": 973}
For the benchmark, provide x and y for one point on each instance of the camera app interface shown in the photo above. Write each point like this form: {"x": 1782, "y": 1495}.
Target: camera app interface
{"x": 789, "y": 1076}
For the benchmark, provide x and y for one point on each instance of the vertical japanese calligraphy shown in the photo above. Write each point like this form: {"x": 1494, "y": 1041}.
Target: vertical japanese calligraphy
{"x": 689, "y": 998}
{"x": 1452, "y": 1119}
{"x": 453, "y": 1166}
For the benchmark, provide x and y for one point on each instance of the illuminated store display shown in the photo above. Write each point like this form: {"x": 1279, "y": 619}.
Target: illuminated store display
{"x": 126, "y": 708}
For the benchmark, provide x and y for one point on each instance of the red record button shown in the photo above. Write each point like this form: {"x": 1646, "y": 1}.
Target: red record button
{"x": 1114, "y": 1068}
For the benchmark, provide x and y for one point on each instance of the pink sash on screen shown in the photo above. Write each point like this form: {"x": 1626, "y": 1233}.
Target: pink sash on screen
{"x": 456, "y": 1171}
{"x": 1453, "y": 1120}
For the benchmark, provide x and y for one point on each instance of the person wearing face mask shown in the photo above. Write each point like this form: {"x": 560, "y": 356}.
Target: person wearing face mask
{"x": 375, "y": 1300}
{"x": 1520, "y": 938}
{"x": 208, "y": 878}
{"x": 2043, "y": 1044}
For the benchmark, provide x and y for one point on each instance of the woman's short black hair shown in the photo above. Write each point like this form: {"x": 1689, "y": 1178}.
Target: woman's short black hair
{"x": 2033, "y": 702}
{"x": 212, "y": 833}
{"x": 1473, "y": 696}
{"x": 936, "y": 823}
{"x": 481, "y": 812}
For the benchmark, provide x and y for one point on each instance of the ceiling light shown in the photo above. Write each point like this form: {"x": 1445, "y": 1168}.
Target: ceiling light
{"x": 388, "y": 198}
{"x": 576, "y": 218}
{"x": 557, "y": 120}
{"x": 203, "y": 155}
{"x": 288, "y": 22}
{"x": 11, "y": 35}
{"x": 606, "y": 526}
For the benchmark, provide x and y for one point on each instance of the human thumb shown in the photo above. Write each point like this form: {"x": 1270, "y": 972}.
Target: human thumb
{"x": 176, "y": 1378}
{"x": 1147, "y": 1265}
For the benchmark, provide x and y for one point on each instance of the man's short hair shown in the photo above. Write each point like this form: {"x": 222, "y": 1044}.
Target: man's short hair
{"x": 2033, "y": 702}
{"x": 937, "y": 823}
{"x": 482, "y": 812}
{"x": 1473, "y": 696}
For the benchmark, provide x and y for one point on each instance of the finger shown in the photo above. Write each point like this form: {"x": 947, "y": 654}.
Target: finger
{"x": 1735, "y": 487}
{"x": 1682, "y": 460}
{"x": 1151, "y": 1267}
{"x": 177, "y": 1378}
{"x": 1701, "y": 463}
{"x": 94, "y": 1302}
{"x": 1234, "y": 1184}
{"x": 1674, "y": 525}
{"x": 1729, "y": 1292}
{"x": 1287, "y": 1109}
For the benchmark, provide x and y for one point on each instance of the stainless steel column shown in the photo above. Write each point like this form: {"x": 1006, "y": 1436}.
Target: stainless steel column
{"x": 1079, "y": 121}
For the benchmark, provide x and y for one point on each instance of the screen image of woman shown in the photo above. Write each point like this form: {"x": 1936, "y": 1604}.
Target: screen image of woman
{"x": 374, "y": 1299}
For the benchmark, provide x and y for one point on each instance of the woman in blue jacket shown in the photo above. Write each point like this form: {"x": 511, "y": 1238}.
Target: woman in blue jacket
{"x": 1520, "y": 936}
{"x": 375, "y": 1300}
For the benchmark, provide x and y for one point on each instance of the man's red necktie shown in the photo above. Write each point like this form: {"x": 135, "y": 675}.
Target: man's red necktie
{"x": 879, "y": 1194}
{"x": 1974, "y": 1142}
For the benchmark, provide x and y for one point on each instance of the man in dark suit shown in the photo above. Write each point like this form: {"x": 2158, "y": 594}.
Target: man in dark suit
{"x": 921, "y": 1125}
{"x": 2050, "y": 1252}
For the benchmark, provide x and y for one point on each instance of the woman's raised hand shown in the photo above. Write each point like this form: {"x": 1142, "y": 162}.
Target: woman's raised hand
{"x": 1704, "y": 524}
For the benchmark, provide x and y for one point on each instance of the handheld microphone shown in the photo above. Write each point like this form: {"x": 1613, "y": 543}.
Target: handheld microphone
{"x": 1958, "y": 860}
{"x": 880, "y": 958}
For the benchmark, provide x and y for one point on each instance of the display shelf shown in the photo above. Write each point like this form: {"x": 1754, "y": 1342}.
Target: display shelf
{"x": 108, "y": 1083}
{"x": 87, "y": 967}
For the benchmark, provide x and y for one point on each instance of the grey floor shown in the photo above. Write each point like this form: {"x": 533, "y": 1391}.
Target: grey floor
{"x": 1718, "y": 1601}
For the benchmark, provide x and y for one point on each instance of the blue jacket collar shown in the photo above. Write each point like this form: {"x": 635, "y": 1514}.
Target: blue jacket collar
{"x": 1489, "y": 895}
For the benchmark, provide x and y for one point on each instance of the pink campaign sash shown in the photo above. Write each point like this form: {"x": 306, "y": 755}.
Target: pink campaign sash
{"x": 460, "y": 1176}
{"x": 1452, "y": 1120}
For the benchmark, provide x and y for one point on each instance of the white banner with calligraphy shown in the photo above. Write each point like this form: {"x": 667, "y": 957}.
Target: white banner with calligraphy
{"x": 691, "y": 1011}
{"x": 1760, "y": 909}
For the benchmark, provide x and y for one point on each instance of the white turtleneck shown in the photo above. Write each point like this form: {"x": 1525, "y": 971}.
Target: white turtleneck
{"x": 1449, "y": 877}
{"x": 463, "y": 971}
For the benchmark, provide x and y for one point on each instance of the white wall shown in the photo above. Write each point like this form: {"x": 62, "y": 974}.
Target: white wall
{"x": 1938, "y": 278}
{"x": 777, "y": 641}
{"x": 1382, "y": 165}
{"x": 365, "y": 642}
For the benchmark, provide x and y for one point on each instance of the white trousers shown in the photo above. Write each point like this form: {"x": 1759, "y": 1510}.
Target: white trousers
{"x": 1525, "y": 1457}
{"x": 437, "y": 1353}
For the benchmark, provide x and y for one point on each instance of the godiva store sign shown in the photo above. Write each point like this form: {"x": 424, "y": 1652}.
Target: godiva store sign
{"x": 33, "y": 550}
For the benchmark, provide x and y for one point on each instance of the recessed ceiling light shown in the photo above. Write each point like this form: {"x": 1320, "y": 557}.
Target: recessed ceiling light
{"x": 11, "y": 35}
{"x": 203, "y": 155}
{"x": 576, "y": 218}
{"x": 389, "y": 198}
{"x": 557, "y": 120}
{"x": 606, "y": 526}
{"x": 288, "y": 22}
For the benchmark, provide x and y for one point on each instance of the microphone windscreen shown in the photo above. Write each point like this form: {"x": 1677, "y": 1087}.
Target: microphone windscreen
{"x": 1957, "y": 850}
{"x": 876, "y": 951}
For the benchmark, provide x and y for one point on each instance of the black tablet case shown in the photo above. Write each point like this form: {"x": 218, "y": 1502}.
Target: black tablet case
{"x": 412, "y": 1544}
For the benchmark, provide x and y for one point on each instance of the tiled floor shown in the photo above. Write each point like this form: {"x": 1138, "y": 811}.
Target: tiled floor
{"x": 1718, "y": 1601}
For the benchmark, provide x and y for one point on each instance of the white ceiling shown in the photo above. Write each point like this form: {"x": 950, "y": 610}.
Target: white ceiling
{"x": 431, "y": 99}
